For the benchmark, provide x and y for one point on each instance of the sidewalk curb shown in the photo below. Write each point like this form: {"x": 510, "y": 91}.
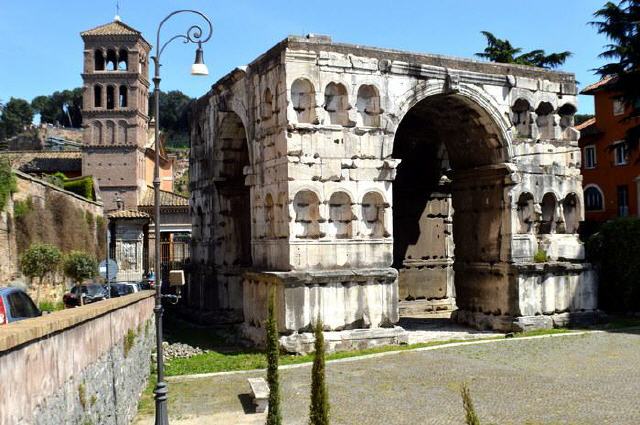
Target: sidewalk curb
{"x": 178, "y": 378}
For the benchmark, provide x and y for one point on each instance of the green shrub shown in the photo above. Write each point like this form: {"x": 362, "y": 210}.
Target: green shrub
{"x": 22, "y": 208}
{"x": 470, "y": 416}
{"x": 274, "y": 416}
{"x": 319, "y": 408}
{"x": 8, "y": 183}
{"x": 614, "y": 251}
{"x": 540, "y": 256}
{"x": 51, "y": 306}
{"x": 82, "y": 186}
{"x": 82, "y": 395}
{"x": 129, "y": 340}
{"x": 79, "y": 265}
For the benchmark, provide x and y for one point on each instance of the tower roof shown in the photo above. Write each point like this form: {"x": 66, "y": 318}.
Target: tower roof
{"x": 114, "y": 28}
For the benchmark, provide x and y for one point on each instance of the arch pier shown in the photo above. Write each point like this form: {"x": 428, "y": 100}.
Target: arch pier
{"x": 363, "y": 184}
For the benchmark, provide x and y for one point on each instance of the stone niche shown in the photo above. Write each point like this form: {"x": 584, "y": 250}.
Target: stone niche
{"x": 357, "y": 181}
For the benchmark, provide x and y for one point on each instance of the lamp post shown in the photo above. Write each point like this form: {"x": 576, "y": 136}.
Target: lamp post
{"x": 193, "y": 35}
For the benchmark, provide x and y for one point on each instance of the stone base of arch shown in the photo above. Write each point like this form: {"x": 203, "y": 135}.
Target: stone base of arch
{"x": 520, "y": 297}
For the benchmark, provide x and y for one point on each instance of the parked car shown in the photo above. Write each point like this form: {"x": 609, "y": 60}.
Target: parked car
{"x": 16, "y": 305}
{"x": 119, "y": 289}
{"x": 90, "y": 293}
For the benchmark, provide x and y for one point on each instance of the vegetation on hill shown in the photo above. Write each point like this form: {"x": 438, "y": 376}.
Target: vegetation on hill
{"x": 8, "y": 184}
{"x": 174, "y": 109}
{"x": 15, "y": 115}
{"x": 502, "y": 51}
{"x": 61, "y": 107}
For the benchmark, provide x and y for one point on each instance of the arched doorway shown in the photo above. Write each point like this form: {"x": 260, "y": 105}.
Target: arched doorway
{"x": 231, "y": 222}
{"x": 449, "y": 207}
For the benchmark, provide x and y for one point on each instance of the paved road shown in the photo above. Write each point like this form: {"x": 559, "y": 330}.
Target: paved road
{"x": 587, "y": 379}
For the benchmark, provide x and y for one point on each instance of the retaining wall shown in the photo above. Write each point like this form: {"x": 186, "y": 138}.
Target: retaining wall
{"x": 86, "y": 365}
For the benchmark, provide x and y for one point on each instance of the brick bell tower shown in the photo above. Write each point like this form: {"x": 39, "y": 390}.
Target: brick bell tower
{"x": 115, "y": 112}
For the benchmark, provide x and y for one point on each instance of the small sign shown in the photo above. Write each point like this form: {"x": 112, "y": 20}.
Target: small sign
{"x": 108, "y": 266}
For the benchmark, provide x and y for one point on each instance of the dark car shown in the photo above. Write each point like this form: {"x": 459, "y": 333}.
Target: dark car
{"x": 120, "y": 289}
{"x": 16, "y": 305}
{"x": 90, "y": 293}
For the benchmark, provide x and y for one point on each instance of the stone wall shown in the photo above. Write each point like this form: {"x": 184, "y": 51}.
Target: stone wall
{"x": 37, "y": 191}
{"x": 86, "y": 365}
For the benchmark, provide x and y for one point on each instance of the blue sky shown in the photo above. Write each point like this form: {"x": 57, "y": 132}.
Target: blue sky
{"x": 41, "y": 49}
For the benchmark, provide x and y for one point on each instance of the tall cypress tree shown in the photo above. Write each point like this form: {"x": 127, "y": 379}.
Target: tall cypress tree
{"x": 319, "y": 409}
{"x": 274, "y": 416}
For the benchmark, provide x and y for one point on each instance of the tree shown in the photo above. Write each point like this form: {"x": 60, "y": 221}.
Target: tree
{"x": 39, "y": 260}
{"x": 274, "y": 416}
{"x": 78, "y": 266}
{"x": 319, "y": 408}
{"x": 174, "y": 109}
{"x": 61, "y": 107}
{"x": 8, "y": 182}
{"x": 621, "y": 24}
{"x": 502, "y": 51}
{"x": 16, "y": 115}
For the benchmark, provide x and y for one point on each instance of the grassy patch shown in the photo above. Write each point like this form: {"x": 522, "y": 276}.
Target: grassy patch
{"x": 146, "y": 405}
{"x": 51, "y": 306}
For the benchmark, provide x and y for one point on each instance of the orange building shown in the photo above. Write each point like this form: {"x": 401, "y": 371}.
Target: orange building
{"x": 611, "y": 172}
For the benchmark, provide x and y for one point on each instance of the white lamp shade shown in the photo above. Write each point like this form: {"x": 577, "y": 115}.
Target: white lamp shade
{"x": 199, "y": 69}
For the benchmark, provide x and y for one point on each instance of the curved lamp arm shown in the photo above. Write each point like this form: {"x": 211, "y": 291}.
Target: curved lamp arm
{"x": 193, "y": 35}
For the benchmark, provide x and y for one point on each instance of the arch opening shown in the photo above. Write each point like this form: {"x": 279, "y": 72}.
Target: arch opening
{"x": 448, "y": 207}
{"x": 234, "y": 226}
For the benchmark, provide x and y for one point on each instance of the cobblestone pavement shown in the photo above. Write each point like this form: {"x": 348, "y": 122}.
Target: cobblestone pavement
{"x": 586, "y": 379}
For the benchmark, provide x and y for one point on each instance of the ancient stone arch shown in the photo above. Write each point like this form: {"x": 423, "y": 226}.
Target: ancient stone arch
{"x": 419, "y": 184}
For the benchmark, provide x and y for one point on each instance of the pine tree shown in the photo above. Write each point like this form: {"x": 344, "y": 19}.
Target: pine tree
{"x": 319, "y": 409}
{"x": 274, "y": 416}
{"x": 621, "y": 24}
{"x": 502, "y": 51}
{"x": 469, "y": 411}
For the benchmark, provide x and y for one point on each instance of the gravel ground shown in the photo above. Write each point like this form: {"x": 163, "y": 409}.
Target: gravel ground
{"x": 587, "y": 379}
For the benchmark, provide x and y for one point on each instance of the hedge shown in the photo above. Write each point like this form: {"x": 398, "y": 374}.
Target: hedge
{"x": 82, "y": 187}
{"x": 614, "y": 251}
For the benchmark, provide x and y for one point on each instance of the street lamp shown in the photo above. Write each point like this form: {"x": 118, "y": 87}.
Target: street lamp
{"x": 193, "y": 35}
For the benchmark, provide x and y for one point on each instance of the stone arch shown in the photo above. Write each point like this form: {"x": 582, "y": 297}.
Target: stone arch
{"x": 545, "y": 120}
{"x": 303, "y": 99}
{"x": 548, "y": 213}
{"x": 97, "y": 96}
{"x": 567, "y": 121}
{"x": 230, "y": 157}
{"x": 336, "y": 103}
{"x": 111, "y": 60}
{"x": 97, "y": 133}
{"x": 368, "y": 105}
{"x": 110, "y": 133}
{"x": 521, "y": 116}
{"x": 373, "y": 215}
{"x": 98, "y": 60}
{"x": 571, "y": 211}
{"x": 526, "y": 206}
{"x": 450, "y": 195}
{"x": 111, "y": 97}
{"x": 340, "y": 216}
{"x": 122, "y": 132}
{"x": 123, "y": 60}
{"x": 306, "y": 205}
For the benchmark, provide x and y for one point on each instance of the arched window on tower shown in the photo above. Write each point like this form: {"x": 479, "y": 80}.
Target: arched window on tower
{"x": 336, "y": 103}
{"x": 526, "y": 213}
{"x": 122, "y": 99}
{"x": 111, "y": 97}
{"x": 123, "y": 60}
{"x": 306, "y": 207}
{"x": 570, "y": 209}
{"x": 373, "y": 215}
{"x": 97, "y": 133}
{"x": 521, "y": 117}
{"x": 303, "y": 98}
{"x": 97, "y": 96}
{"x": 111, "y": 60}
{"x": 340, "y": 216}
{"x": 545, "y": 121}
{"x": 110, "y": 133}
{"x": 549, "y": 216}
{"x": 567, "y": 120}
{"x": 98, "y": 60}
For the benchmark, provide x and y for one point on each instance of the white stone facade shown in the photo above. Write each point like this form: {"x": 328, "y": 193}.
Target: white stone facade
{"x": 323, "y": 168}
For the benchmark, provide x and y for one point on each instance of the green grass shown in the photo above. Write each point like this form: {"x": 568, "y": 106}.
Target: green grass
{"x": 51, "y": 306}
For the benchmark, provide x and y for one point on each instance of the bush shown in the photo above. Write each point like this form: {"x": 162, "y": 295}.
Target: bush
{"x": 39, "y": 260}
{"x": 540, "y": 256}
{"x": 614, "y": 252}
{"x": 82, "y": 186}
{"x": 319, "y": 409}
{"x": 274, "y": 416}
{"x": 22, "y": 208}
{"x": 51, "y": 306}
{"x": 79, "y": 265}
{"x": 8, "y": 183}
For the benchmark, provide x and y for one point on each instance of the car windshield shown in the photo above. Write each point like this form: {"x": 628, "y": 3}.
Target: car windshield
{"x": 21, "y": 305}
{"x": 92, "y": 290}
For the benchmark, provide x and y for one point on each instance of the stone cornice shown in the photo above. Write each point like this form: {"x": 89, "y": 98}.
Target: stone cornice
{"x": 113, "y": 113}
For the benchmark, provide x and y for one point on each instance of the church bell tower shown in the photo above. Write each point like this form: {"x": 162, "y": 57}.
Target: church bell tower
{"x": 115, "y": 112}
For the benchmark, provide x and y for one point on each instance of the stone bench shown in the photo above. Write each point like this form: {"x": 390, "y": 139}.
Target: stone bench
{"x": 260, "y": 393}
